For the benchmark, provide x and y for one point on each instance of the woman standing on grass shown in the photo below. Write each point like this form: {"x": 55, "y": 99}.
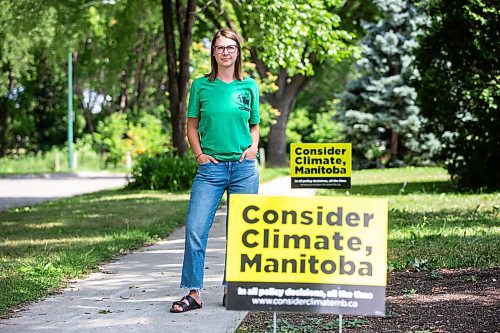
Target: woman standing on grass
{"x": 223, "y": 131}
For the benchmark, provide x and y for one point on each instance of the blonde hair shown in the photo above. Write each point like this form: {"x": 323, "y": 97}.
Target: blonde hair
{"x": 238, "y": 72}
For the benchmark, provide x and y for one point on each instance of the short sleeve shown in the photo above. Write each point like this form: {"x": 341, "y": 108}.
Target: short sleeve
{"x": 254, "y": 114}
{"x": 194, "y": 102}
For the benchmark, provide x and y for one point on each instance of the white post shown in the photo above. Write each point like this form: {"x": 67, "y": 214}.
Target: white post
{"x": 340, "y": 323}
{"x": 128, "y": 161}
{"x": 262, "y": 157}
{"x": 57, "y": 162}
{"x": 75, "y": 160}
{"x": 274, "y": 322}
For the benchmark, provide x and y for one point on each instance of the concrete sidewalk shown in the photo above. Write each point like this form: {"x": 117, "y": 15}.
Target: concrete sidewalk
{"x": 25, "y": 190}
{"x": 134, "y": 293}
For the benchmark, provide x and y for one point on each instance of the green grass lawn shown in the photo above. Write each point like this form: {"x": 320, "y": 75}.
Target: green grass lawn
{"x": 86, "y": 160}
{"x": 430, "y": 226}
{"x": 270, "y": 173}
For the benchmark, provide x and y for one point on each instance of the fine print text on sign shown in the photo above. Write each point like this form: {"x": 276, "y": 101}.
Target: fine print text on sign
{"x": 320, "y": 165}
{"x": 319, "y": 254}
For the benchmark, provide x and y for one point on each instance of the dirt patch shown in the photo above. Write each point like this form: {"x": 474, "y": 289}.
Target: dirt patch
{"x": 440, "y": 301}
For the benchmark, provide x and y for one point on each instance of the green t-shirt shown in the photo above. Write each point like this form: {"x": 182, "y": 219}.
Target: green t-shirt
{"x": 225, "y": 112}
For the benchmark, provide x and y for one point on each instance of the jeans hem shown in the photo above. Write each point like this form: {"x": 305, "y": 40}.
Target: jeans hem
{"x": 190, "y": 288}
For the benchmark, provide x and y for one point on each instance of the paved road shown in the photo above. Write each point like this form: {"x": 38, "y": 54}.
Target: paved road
{"x": 19, "y": 191}
{"x": 134, "y": 293}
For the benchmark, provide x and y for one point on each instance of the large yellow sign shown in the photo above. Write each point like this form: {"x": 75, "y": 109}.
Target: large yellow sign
{"x": 325, "y": 240}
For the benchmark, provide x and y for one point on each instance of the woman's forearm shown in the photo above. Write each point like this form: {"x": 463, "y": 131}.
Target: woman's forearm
{"x": 194, "y": 136}
{"x": 254, "y": 133}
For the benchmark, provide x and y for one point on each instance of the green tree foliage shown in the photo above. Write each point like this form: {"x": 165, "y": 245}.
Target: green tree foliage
{"x": 324, "y": 128}
{"x": 118, "y": 56}
{"x": 379, "y": 110}
{"x": 317, "y": 98}
{"x": 331, "y": 77}
{"x": 27, "y": 29}
{"x": 177, "y": 27}
{"x": 299, "y": 125}
{"x": 118, "y": 136}
{"x": 289, "y": 39}
{"x": 41, "y": 107}
{"x": 459, "y": 91}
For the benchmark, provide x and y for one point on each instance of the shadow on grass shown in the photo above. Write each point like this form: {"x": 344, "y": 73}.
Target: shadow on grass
{"x": 403, "y": 188}
{"x": 443, "y": 218}
{"x": 93, "y": 215}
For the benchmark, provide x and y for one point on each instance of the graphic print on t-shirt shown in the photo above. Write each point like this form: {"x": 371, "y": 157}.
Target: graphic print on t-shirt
{"x": 243, "y": 100}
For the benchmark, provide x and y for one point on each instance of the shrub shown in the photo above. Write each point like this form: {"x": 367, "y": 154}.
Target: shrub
{"x": 325, "y": 129}
{"x": 459, "y": 91}
{"x": 163, "y": 172}
{"x": 118, "y": 134}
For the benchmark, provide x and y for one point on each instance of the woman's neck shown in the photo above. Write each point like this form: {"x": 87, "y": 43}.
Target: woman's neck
{"x": 225, "y": 74}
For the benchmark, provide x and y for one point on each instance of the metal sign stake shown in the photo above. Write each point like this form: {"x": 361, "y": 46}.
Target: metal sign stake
{"x": 340, "y": 323}
{"x": 274, "y": 322}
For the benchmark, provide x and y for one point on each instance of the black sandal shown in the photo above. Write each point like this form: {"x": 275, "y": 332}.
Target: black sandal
{"x": 193, "y": 305}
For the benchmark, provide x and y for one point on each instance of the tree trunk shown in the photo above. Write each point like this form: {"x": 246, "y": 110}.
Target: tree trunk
{"x": 77, "y": 88}
{"x": 89, "y": 123}
{"x": 276, "y": 150}
{"x": 3, "y": 125}
{"x": 87, "y": 111}
{"x": 4, "y": 113}
{"x": 283, "y": 100}
{"x": 394, "y": 146}
{"x": 178, "y": 66}
{"x": 125, "y": 103}
{"x": 138, "y": 75}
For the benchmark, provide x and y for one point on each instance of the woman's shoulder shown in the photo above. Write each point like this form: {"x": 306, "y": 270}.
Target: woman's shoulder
{"x": 250, "y": 81}
{"x": 200, "y": 80}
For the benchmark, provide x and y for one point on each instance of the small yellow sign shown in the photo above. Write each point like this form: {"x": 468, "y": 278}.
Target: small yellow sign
{"x": 320, "y": 159}
{"x": 325, "y": 240}
{"x": 320, "y": 165}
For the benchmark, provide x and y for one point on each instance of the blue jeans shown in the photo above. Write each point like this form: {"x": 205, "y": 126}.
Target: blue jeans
{"x": 208, "y": 188}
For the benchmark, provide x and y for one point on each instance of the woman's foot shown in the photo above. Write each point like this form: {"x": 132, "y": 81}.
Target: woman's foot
{"x": 189, "y": 302}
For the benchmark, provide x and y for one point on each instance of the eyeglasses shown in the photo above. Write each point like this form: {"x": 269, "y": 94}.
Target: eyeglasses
{"x": 230, "y": 49}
